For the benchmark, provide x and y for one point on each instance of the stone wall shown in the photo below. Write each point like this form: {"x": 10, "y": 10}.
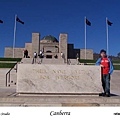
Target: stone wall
{"x": 89, "y": 54}
{"x": 8, "y": 52}
{"x": 18, "y": 52}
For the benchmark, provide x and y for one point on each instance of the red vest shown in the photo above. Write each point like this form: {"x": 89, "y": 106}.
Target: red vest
{"x": 105, "y": 62}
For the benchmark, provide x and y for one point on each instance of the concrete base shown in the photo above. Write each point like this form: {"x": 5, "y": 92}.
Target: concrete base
{"x": 59, "y": 101}
{"x": 9, "y": 97}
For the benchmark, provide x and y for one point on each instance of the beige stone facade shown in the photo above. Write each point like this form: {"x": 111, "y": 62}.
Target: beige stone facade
{"x": 18, "y": 52}
{"x": 89, "y": 54}
{"x": 51, "y": 48}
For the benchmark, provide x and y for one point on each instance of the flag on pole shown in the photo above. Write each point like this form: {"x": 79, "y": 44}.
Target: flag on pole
{"x": 109, "y": 23}
{"x": 1, "y": 21}
{"x": 20, "y": 21}
{"x": 88, "y": 22}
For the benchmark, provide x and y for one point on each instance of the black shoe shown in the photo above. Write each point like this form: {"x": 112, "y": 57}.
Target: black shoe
{"x": 107, "y": 95}
{"x": 102, "y": 94}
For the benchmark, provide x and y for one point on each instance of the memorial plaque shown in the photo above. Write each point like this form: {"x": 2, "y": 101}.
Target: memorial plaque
{"x": 58, "y": 78}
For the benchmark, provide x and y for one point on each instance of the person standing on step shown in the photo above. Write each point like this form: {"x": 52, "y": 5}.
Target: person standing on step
{"x": 23, "y": 53}
{"x": 63, "y": 56}
{"x": 78, "y": 59}
{"x": 41, "y": 55}
{"x": 34, "y": 58}
{"x": 26, "y": 53}
{"x": 107, "y": 70}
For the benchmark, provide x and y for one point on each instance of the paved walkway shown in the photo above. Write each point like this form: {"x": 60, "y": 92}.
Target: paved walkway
{"x": 8, "y": 97}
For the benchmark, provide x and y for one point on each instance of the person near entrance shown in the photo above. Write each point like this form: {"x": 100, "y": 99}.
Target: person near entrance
{"x": 41, "y": 56}
{"x": 78, "y": 59}
{"x": 63, "y": 56}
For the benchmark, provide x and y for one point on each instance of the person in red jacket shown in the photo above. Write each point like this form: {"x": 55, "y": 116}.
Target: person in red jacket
{"x": 107, "y": 69}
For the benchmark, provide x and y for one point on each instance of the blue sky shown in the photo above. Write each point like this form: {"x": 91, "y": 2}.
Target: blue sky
{"x": 52, "y": 17}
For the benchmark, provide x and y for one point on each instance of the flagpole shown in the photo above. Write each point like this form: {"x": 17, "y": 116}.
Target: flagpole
{"x": 14, "y": 37}
{"x": 107, "y": 37}
{"x": 85, "y": 39}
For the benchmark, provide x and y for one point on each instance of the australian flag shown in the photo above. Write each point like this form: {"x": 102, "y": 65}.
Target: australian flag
{"x": 1, "y": 21}
{"x": 109, "y": 23}
{"x": 20, "y": 21}
{"x": 88, "y": 22}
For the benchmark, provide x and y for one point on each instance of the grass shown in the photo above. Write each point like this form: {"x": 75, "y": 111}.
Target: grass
{"x": 10, "y": 65}
{"x": 11, "y": 59}
{"x": 7, "y": 65}
{"x": 116, "y": 67}
{"x": 87, "y": 61}
{"x": 94, "y": 61}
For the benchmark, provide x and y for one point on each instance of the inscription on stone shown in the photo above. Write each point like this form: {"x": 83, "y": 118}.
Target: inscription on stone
{"x": 58, "y": 79}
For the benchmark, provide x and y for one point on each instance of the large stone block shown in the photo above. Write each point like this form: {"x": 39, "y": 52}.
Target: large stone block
{"x": 8, "y": 52}
{"x": 58, "y": 79}
{"x": 18, "y": 52}
{"x": 89, "y": 54}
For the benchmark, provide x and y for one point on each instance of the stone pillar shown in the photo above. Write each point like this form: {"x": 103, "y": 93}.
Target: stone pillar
{"x": 63, "y": 45}
{"x": 35, "y": 43}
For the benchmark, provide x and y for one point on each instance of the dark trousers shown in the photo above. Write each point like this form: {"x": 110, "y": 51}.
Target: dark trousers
{"x": 34, "y": 60}
{"x": 106, "y": 83}
{"x": 25, "y": 56}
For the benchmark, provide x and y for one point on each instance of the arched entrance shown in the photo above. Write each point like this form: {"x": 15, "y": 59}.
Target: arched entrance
{"x": 49, "y": 56}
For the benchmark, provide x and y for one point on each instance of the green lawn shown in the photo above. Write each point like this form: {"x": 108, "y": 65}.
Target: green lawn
{"x": 94, "y": 61}
{"x": 7, "y": 65}
{"x": 117, "y": 67}
{"x": 11, "y": 59}
{"x": 10, "y": 65}
{"x": 87, "y": 61}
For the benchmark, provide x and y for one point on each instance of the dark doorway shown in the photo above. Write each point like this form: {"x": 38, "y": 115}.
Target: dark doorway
{"x": 49, "y": 56}
{"x": 48, "y": 51}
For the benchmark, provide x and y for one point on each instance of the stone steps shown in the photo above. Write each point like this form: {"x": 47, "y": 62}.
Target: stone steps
{"x": 27, "y": 60}
{"x": 16, "y": 104}
{"x": 44, "y": 61}
{"x": 72, "y": 61}
{"x": 3, "y": 77}
{"x": 59, "y": 101}
{"x": 53, "y": 61}
{"x": 13, "y": 76}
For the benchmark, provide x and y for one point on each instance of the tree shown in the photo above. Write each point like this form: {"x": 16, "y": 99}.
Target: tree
{"x": 118, "y": 54}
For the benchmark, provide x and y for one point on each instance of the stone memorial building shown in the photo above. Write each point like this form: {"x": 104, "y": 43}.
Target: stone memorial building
{"x": 51, "y": 47}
